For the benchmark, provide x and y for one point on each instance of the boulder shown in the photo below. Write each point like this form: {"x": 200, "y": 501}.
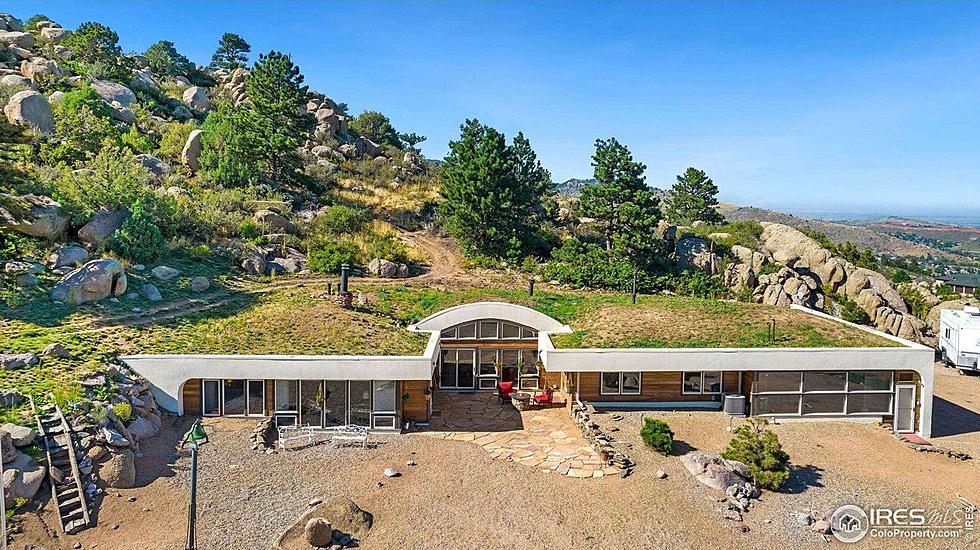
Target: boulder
{"x": 114, "y": 438}
{"x": 34, "y": 215}
{"x": 253, "y": 261}
{"x": 693, "y": 252}
{"x": 19, "y": 435}
{"x": 345, "y": 517}
{"x": 285, "y": 265}
{"x": 196, "y": 98}
{"x": 156, "y": 167}
{"x": 19, "y": 39}
{"x": 383, "y": 268}
{"x": 366, "y": 147}
{"x": 21, "y": 479}
{"x": 121, "y": 113}
{"x": 200, "y": 284}
{"x": 318, "y": 532}
{"x": 53, "y": 35}
{"x": 102, "y": 225}
{"x": 151, "y": 293}
{"x": 714, "y": 471}
{"x": 274, "y": 220}
{"x": 143, "y": 79}
{"x": 31, "y": 109}
{"x": 13, "y": 361}
{"x": 56, "y": 350}
{"x": 68, "y": 256}
{"x": 40, "y": 67}
{"x": 164, "y": 273}
{"x": 192, "y": 150}
{"x": 142, "y": 428}
{"x": 7, "y": 451}
{"x": 113, "y": 91}
{"x": 16, "y": 80}
{"x": 119, "y": 471}
{"x": 402, "y": 271}
{"x": 10, "y": 23}
{"x": 96, "y": 280}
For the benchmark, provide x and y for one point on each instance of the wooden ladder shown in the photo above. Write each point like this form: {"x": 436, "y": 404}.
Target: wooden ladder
{"x": 61, "y": 447}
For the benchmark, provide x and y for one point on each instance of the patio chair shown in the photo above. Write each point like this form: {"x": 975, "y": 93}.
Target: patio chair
{"x": 505, "y": 390}
{"x": 543, "y": 398}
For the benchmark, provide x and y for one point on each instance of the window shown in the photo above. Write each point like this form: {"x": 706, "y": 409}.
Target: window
{"x": 256, "y": 397}
{"x": 870, "y": 381}
{"x": 360, "y": 402}
{"x": 212, "y": 398}
{"x": 335, "y": 402}
{"x": 777, "y": 381}
{"x": 869, "y": 403}
{"x": 449, "y": 333}
{"x": 384, "y": 396}
{"x": 528, "y": 333}
{"x": 287, "y": 395}
{"x": 510, "y": 331}
{"x": 776, "y": 404}
{"x": 467, "y": 331}
{"x": 488, "y": 330}
{"x": 620, "y": 383}
{"x": 631, "y": 383}
{"x": 234, "y": 397}
{"x": 488, "y": 362}
{"x": 823, "y": 403}
{"x": 824, "y": 381}
{"x": 383, "y": 422}
{"x": 707, "y": 382}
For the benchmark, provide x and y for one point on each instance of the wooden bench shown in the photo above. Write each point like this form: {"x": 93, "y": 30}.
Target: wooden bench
{"x": 343, "y": 434}
{"x": 294, "y": 433}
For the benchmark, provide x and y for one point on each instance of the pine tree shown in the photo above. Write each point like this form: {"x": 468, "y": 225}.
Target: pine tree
{"x": 694, "y": 198}
{"x": 139, "y": 239}
{"x": 621, "y": 204}
{"x": 533, "y": 180}
{"x": 280, "y": 122}
{"x": 164, "y": 60}
{"x": 231, "y": 52}
{"x": 760, "y": 450}
{"x": 376, "y": 127}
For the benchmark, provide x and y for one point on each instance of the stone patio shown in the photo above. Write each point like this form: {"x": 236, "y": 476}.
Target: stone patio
{"x": 545, "y": 439}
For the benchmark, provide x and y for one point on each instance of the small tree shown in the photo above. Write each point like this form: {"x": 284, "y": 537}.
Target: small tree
{"x": 139, "y": 239}
{"x": 760, "y": 450}
{"x": 228, "y": 150}
{"x": 31, "y": 24}
{"x": 96, "y": 44}
{"x": 231, "y": 52}
{"x": 657, "y": 435}
{"x": 695, "y": 198}
{"x": 376, "y": 127}
{"x": 326, "y": 256}
{"x": 412, "y": 140}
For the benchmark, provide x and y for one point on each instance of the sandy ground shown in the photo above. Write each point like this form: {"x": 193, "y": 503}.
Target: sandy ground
{"x": 457, "y": 497}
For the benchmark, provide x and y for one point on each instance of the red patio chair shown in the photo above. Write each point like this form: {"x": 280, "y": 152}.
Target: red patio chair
{"x": 543, "y": 398}
{"x": 505, "y": 390}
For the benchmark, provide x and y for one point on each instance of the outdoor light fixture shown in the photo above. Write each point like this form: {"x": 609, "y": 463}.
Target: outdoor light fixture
{"x": 193, "y": 439}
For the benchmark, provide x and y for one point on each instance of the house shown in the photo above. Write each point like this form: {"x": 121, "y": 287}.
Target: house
{"x": 841, "y": 371}
{"x": 963, "y": 283}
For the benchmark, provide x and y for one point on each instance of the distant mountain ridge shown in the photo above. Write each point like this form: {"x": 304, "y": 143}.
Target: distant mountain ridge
{"x": 573, "y": 186}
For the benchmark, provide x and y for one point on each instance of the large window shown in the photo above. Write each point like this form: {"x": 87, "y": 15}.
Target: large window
{"x": 234, "y": 397}
{"x": 211, "y": 395}
{"x": 334, "y": 402}
{"x": 360, "y": 403}
{"x": 489, "y": 329}
{"x": 256, "y": 397}
{"x": 620, "y": 383}
{"x": 287, "y": 396}
{"x": 701, "y": 382}
{"x": 822, "y": 393}
{"x": 384, "y": 396}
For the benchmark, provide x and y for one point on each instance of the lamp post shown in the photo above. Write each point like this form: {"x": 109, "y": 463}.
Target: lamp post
{"x": 193, "y": 439}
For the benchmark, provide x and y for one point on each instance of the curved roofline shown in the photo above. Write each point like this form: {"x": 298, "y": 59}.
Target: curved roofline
{"x": 455, "y": 315}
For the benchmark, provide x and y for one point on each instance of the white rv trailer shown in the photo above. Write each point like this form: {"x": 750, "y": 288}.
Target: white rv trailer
{"x": 959, "y": 337}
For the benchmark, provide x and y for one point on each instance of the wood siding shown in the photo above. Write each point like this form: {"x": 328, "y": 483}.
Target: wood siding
{"x": 191, "y": 397}
{"x": 416, "y": 407}
{"x": 270, "y": 397}
{"x": 654, "y": 386}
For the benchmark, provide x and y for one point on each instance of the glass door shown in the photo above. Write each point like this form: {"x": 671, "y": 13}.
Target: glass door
{"x": 904, "y": 409}
{"x": 335, "y": 403}
{"x": 465, "y": 363}
{"x": 360, "y": 403}
{"x": 447, "y": 369}
{"x": 211, "y": 396}
{"x": 311, "y": 403}
{"x": 256, "y": 398}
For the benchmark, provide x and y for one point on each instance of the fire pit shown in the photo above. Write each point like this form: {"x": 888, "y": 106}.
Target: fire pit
{"x": 521, "y": 400}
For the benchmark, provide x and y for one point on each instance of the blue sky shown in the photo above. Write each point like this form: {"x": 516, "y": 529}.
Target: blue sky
{"x": 851, "y": 106}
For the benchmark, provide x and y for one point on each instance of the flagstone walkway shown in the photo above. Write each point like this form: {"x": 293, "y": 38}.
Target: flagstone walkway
{"x": 545, "y": 439}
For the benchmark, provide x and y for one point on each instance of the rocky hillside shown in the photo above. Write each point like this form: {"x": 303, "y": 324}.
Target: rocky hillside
{"x": 788, "y": 267}
{"x": 880, "y": 242}
{"x": 111, "y": 161}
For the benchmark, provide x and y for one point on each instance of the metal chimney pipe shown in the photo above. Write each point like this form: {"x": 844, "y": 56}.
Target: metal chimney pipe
{"x": 344, "y": 275}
